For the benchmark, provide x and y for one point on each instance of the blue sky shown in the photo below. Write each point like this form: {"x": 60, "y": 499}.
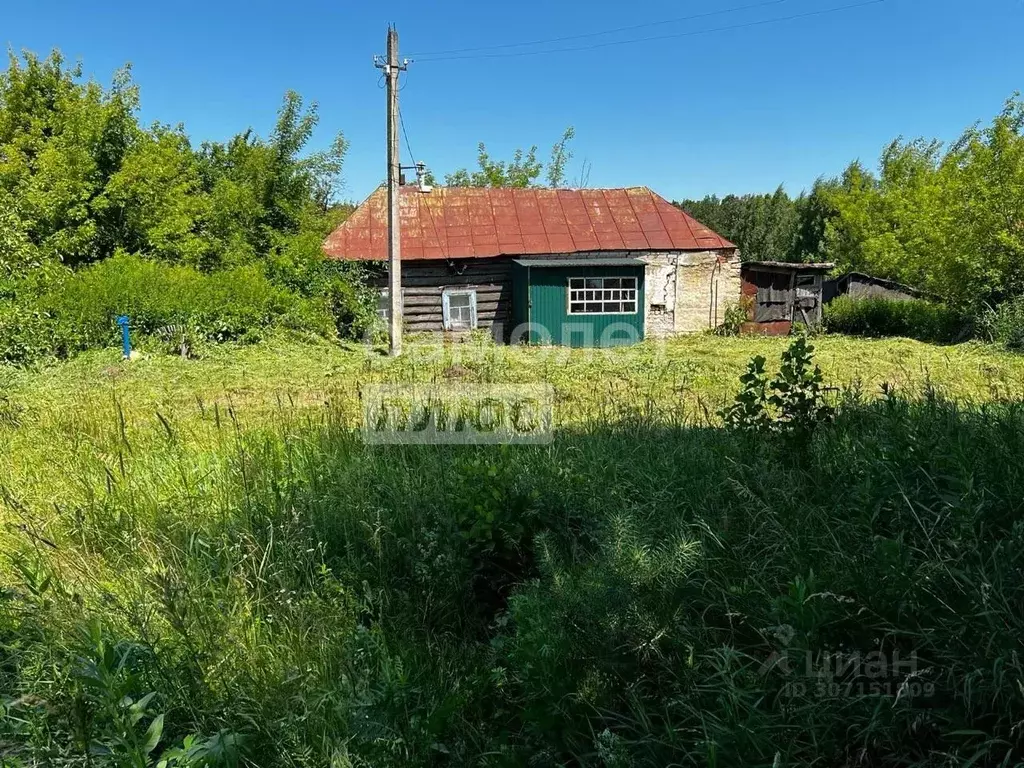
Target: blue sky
{"x": 734, "y": 110}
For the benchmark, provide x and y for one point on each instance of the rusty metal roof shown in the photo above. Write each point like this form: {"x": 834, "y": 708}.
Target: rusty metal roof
{"x": 462, "y": 222}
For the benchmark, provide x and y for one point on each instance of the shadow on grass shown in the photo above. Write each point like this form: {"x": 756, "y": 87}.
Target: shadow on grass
{"x": 632, "y": 594}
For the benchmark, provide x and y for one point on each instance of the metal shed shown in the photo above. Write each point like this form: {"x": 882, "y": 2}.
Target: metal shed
{"x": 578, "y": 302}
{"x": 781, "y": 294}
{"x": 858, "y": 285}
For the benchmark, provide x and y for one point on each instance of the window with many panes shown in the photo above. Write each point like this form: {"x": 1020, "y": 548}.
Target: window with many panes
{"x": 459, "y": 310}
{"x": 602, "y": 295}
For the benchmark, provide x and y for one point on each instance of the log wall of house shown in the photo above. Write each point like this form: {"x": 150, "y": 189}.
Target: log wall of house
{"x": 424, "y": 283}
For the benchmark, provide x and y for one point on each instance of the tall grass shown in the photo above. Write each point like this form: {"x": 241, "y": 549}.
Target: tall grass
{"x": 1005, "y": 324}
{"x": 645, "y": 591}
{"x": 910, "y": 318}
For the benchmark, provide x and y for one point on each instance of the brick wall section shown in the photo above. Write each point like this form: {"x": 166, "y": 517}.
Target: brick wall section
{"x": 695, "y": 288}
{"x": 662, "y": 278}
{"x": 707, "y": 285}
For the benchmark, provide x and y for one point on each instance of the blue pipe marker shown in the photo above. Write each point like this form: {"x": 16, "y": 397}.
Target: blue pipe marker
{"x": 126, "y": 342}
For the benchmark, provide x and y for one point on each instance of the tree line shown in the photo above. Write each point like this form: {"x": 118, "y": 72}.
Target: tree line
{"x": 80, "y": 178}
{"x": 82, "y": 181}
{"x": 945, "y": 218}
{"x": 768, "y": 227}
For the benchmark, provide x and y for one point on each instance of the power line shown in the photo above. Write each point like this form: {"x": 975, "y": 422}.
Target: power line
{"x": 606, "y": 31}
{"x": 748, "y": 24}
{"x": 425, "y": 208}
{"x": 405, "y": 133}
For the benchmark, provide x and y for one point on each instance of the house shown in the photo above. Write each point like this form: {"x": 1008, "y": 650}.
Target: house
{"x": 578, "y": 267}
{"x": 857, "y": 285}
{"x": 782, "y": 293}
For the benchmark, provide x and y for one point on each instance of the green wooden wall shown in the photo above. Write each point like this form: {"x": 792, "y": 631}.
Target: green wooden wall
{"x": 520, "y": 302}
{"x": 548, "y": 310}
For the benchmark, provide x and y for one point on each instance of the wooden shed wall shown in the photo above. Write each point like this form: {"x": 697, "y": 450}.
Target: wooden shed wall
{"x": 863, "y": 287}
{"x": 860, "y": 286}
{"x": 776, "y": 295}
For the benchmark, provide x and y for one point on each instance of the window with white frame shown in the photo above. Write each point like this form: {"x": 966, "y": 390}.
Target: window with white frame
{"x": 459, "y": 309}
{"x": 602, "y": 295}
{"x": 384, "y": 304}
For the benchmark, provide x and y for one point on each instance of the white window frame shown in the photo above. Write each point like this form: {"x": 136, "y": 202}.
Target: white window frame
{"x": 446, "y": 309}
{"x": 384, "y": 304}
{"x": 635, "y": 300}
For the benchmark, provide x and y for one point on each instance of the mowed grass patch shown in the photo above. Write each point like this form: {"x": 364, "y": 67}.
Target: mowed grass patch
{"x": 257, "y": 377}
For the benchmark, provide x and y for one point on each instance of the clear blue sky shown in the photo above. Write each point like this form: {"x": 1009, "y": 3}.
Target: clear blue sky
{"x": 738, "y": 110}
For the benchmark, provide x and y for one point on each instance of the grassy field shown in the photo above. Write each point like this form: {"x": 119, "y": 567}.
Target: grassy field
{"x": 258, "y": 378}
{"x": 649, "y": 589}
{"x": 686, "y": 379}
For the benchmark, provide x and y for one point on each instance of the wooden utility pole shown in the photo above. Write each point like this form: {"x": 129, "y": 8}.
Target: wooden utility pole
{"x": 391, "y": 69}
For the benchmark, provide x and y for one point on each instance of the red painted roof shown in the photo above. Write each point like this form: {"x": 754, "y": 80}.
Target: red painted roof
{"x": 462, "y": 222}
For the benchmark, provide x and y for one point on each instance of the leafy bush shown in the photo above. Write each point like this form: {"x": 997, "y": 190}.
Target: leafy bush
{"x": 352, "y": 304}
{"x": 912, "y": 318}
{"x": 298, "y": 264}
{"x": 79, "y": 311}
{"x": 749, "y": 409}
{"x": 797, "y": 404}
{"x": 232, "y": 304}
{"x": 25, "y": 333}
{"x": 735, "y": 316}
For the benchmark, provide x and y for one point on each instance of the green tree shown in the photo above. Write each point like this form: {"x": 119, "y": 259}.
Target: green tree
{"x": 813, "y": 215}
{"x": 81, "y": 181}
{"x": 561, "y": 154}
{"x": 19, "y": 258}
{"x": 946, "y": 219}
{"x": 61, "y": 140}
{"x": 765, "y": 227}
{"x": 521, "y": 171}
{"x": 982, "y": 212}
{"x": 158, "y": 199}
{"x": 887, "y": 224}
{"x": 262, "y": 189}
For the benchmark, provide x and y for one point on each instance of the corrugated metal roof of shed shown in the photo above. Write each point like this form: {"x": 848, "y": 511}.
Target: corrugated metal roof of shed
{"x": 461, "y": 222}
